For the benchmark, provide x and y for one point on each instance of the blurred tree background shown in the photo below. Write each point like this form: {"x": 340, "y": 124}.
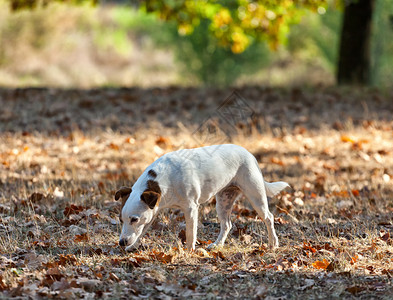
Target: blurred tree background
{"x": 150, "y": 43}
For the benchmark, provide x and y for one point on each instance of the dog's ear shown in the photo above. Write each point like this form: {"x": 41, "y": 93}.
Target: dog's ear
{"x": 122, "y": 193}
{"x": 151, "y": 198}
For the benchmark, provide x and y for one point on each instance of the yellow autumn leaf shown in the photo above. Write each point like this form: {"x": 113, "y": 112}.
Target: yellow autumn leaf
{"x": 347, "y": 139}
{"x": 223, "y": 17}
{"x": 321, "y": 264}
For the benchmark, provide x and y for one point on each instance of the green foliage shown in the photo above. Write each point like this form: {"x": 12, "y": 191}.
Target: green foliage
{"x": 316, "y": 37}
{"x": 115, "y": 36}
{"x": 236, "y": 23}
{"x": 16, "y": 5}
{"x": 382, "y": 44}
{"x": 199, "y": 54}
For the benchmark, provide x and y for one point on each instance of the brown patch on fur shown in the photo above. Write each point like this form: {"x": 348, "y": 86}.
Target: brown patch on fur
{"x": 153, "y": 186}
{"x": 151, "y": 198}
{"x": 123, "y": 193}
{"x": 231, "y": 190}
{"x": 229, "y": 195}
{"x": 152, "y": 173}
{"x": 152, "y": 195}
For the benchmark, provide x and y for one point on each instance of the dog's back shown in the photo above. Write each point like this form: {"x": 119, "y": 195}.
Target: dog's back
{"x": 201, "y": 173}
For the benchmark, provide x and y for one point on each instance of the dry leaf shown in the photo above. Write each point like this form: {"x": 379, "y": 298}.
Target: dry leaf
{"x": 354, "y": 259}
{"x": 162, "y": 257}
{"x": 81, "y": 238}
{"x": 385, "y": 236}
{"x": 320, "y": 264}
{"x": 36, "y": 197}
{"x": 277, "y": 161}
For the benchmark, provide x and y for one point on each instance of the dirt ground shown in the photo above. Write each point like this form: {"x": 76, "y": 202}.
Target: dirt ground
{"x": 64, "y": 153}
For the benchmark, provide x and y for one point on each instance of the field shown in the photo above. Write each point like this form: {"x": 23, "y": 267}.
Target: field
{"x": 64, "y": 153}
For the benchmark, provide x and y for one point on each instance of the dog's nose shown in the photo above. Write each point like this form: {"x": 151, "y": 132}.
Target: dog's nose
{"x": 122, "y": 243}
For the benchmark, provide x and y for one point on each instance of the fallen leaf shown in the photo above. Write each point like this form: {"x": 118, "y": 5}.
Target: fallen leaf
{"x": 307, "y": 246}
{"x": 385, "y": 236}
{"x": 320, "y": 264}
{"x": 163, "y": 142}
{"x": 114, "y": 147}
{"x": 332, "y": 266}
{"x": 36, "y": 197}
{"x": 388, "y": 272}
{"x": 355, "y": 289}
{"x": 277, "y": 161}
{"x": 65, "y": 259}
{"x": 205, "y": 242}
{"x": 81, "y": 238}
{"x": 114, "y": 277}
{"x": 73, "y": 209}
{"x": 354, "y": 259}
{"x": 355, "y": 193}
{"x": 218, "y": 254}
{"x": 162, "y": 257}
{"x": 347, "y": 139}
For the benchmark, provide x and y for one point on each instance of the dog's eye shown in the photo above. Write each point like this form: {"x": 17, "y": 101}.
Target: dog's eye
{"x": 134, "y": 220}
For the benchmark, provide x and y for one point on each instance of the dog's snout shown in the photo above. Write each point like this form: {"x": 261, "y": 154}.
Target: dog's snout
{"x": 122, "y": 243}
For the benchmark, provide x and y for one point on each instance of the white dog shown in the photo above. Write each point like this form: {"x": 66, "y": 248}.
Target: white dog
{"x": 187, "y": 178}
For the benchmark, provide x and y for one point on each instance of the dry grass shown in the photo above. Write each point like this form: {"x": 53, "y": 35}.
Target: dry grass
{"x": 77, "y": 147}
{"x": 83, "y": 46}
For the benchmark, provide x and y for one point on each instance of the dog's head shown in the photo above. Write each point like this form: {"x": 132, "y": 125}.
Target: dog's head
{"x": 137, "y": 213}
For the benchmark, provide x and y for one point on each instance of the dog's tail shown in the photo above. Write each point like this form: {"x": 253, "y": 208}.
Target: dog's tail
{"x": 273, "y": 188}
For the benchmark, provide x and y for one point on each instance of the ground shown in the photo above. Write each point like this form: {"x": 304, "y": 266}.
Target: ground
{"x": 64, "y": 153}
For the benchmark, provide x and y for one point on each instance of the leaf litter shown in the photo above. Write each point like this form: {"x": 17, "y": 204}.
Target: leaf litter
{"x": 59, "y": 171}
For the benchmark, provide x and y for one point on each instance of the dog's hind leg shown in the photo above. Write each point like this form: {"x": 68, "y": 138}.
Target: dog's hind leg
{"x": 256, "y": 195}
{"x": 224, "y": 203}
{"x": 253, "y": 187}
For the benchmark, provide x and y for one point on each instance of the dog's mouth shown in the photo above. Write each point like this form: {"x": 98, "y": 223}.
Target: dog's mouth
{"x": 131, "y": 243}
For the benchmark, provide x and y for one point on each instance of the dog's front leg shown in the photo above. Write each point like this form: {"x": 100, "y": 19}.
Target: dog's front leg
{"x": 191, "y": 215}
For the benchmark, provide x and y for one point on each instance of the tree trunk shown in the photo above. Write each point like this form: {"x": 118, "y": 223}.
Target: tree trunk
{"x": 354, "y": 56}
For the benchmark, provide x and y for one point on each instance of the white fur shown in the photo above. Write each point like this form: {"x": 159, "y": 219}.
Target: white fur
{"x": 188, "y": 178}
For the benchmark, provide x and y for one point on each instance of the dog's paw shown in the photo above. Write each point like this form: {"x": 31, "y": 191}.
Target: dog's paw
{"x": 212, "y": 246}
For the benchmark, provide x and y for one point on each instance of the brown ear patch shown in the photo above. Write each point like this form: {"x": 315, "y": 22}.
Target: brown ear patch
{"x": 151, "y": 198}
{"x": 152, "y": 195}
{"x": 123, "y": 193}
